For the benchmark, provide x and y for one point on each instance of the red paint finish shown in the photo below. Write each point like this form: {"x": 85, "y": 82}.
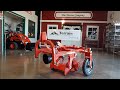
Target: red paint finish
{"x": 97, "y": 16}
{"x": 48, "y": 15}
{"x": 12, "y": 46}
{"x": 71, "y": 52}
{"x": 68, "y": 23}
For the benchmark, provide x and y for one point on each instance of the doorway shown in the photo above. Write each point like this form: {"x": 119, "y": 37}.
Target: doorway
{"x": 70, "y": 42}
{"x": 12, "y": 22}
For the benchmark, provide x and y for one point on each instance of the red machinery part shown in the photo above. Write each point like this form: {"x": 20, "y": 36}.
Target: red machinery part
{"x": 12, "y": 46}
{"x": 18, "y": 39}
{"x": 70, "y": 51}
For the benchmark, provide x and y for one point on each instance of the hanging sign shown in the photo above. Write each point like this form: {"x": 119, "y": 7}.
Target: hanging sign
{"x": 73, "y": 15}
{"x": 64, "y": 34}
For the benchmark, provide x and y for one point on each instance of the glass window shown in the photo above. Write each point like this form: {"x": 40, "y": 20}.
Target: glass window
{"x": 90, "y": 29}
{"x": 76, "y": 29}
{"x": 67, "y": 28}
{"x": 31, "y": 29}
{"x": 92, "y": 32}
{"x": 50, "y": 27}
{"x": 54, "y": 27}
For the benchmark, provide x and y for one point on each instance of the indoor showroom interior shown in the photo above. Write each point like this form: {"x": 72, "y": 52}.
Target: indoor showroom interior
{"x": 59, "y": 44}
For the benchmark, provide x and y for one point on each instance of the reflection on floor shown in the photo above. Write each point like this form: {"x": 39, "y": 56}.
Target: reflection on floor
{"x": 22, "y": 65}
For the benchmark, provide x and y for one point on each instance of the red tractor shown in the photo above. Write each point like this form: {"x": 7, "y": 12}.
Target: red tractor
{"x": 16, "y": 40}
{"x": 55, "y": 55}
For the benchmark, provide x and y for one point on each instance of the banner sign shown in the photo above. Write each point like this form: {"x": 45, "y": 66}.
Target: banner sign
{"x": 73, "y": 15}
{"x": 64, "y": 34}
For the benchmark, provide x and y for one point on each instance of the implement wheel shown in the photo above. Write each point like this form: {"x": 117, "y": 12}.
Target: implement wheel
{"x": 13, "y": 45}
{"x": 87, "y": 70}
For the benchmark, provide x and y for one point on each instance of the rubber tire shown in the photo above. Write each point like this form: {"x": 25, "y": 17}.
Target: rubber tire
{"x": 28, "y": 46}
{"x": 85, "y": 67}
{"x": 16, "y": 45}
{"x": 45, "y": 58}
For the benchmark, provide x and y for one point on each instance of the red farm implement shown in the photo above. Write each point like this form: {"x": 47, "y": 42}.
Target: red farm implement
{"x": 55, "y": 56}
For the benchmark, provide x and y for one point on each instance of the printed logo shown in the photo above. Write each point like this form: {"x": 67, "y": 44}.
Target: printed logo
{"x": 54, "y": 33}
{"x": 61, "y": 33}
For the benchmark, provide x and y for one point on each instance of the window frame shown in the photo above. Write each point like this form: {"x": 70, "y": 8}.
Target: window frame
{"x": 30, "y": 21}
{"x": 52, "y": 25}
{"x": 92, "y": 26}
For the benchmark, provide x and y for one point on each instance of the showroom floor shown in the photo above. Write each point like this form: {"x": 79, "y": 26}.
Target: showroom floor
{"x": 22, "y": 65}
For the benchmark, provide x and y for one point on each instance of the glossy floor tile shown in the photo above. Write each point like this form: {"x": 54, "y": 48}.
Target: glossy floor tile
{"x": 20, "y": 64}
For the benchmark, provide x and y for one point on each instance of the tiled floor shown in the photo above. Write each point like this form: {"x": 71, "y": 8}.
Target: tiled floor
{"x": 22, "y": 65}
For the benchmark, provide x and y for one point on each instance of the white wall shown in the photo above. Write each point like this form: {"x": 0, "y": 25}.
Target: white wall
{"x": 115, "y": 17}
{"x": 32, "y": 17}
{"x": 11, "y": 21}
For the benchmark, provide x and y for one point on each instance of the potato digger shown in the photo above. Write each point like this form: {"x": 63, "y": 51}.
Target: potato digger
{"x": 54, "y": 55}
